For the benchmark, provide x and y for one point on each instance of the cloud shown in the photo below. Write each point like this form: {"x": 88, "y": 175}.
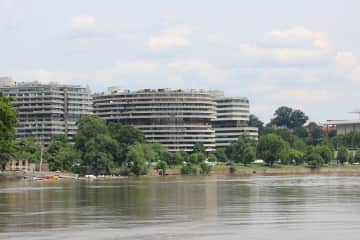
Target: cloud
{"x": 303, "y": 95}
{"x": 295, "y": 46}
{"x": 81, "y": 23}
{"x": 176, "y": 37}
{"x": 153, "y": 74}
{"x": 347, "y": 67}
{"x": 297, "y": 37}
{"x": 216, "y": 38}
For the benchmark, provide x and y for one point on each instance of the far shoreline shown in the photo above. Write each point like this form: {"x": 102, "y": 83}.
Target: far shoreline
{"x": 220, "y": 171}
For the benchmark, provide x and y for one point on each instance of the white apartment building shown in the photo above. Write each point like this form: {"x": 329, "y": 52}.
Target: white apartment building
{"x": 232, "y": 120}
{"x": 175, "y": 118}
{"x": 44, "y": 110}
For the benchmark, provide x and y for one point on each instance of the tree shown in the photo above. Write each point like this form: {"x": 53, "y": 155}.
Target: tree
{"x": 270, "y": 148}
{"x": 212, "y": 157}
{"x": 343, "y": 154}
{"x": 88, "y": 128}
{"x": 137, "y": 159}
{"x": 287, "y": 117}
{"x": 27, "y": 148}
{"x": 296, "y": 156}
{"x": 249, "y": 154}
{"x": 314, "y": 160}
{"x": 254, "y": 121}
{"x": 125, "y": 135}
{"x": 196, "y": 158}
{"x": 298, "y": 119}
{"x": 301, "y": 132}
{"x": 61, "y": 155}
{"x": 162, "y": 165}
{"x": 221, "y": 155}
{"x": 99, "y": 152}
{"x": 325, "y": 152}
{"x": 205, "y": 168}
{"x": 357, "y": 156}
{"x": 7, "y": 129}
{"x": 242, "y": 150}
{"x": 199, "y": 148}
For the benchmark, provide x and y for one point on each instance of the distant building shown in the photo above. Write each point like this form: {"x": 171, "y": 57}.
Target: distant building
{"x": 232, "y": 120}
{"x": 175, "y": 118}
{"x": 344, "y": 126}
{"x": 24, "y": 165}
{"x": 178, "y": 119}
{"x": 44, "y": 110}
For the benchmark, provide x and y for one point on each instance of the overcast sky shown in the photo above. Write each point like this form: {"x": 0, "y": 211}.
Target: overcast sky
{"x": 303, "y": 54}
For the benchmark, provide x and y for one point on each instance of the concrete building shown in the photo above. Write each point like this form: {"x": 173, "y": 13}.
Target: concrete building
{"x": 44, "y": 110}
{"x": 178, "y": 118}
{"x": 175, "y": 118}
{"x": 232, "y": 120}
{"x": 344, "y": 126}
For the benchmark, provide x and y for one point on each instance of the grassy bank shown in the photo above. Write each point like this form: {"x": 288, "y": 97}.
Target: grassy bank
{"x": 261, "y": 169}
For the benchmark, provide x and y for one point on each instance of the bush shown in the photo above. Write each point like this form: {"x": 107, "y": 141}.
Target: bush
{"x": 188, "y": 169}
{"x": 232, "y": 169}
{"x": 162, "y": 165}
{"x": 314, "y": 160}
{"x": 205, "y": 168}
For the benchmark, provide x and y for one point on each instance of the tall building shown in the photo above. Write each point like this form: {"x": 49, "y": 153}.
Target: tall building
{"x": 177, "y": 119}
{"x": 232, "y": 120}
{"x": 44, "y": 110}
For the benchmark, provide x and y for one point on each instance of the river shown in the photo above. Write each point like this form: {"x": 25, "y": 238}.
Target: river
{"x": 254, "y": 207}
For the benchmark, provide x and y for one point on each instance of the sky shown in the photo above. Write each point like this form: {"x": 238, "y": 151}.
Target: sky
{"x": 302, "y": 54}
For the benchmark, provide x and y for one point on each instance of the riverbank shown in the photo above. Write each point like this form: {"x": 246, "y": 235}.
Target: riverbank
{"x": 217, "y": 170}
{"x": 259, "y": 169}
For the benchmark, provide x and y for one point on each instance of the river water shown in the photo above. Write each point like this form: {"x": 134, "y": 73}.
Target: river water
{"x": 255, "y": 207}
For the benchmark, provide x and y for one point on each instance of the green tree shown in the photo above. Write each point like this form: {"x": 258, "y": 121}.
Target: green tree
{"x": 221, "y": 155}
{"x": 301, "y": 132}
{"x": 7, "y": 129}
{"x": 137, "y": 159}
{"x": 212, "y": 157}
{"x": 297, "y": 156}
{"x": 242, "y": 150}
{"x": 254, "y": 121}
{"x": 205, "y": 168}
{"x": 61, "y": 155}
{"x": 314, "y": 160}
{"x": 27, "y": 148}
{"x": 196, "y": 158}
{"x": 199, "y": 148}
{"x": 270, "y": 148}
{"x": 287, "y": 117}
{"x": 325, "y": 152}
{"x": 99, "y": 152}
{"x": 357, "y": 156}
{"x": 162, "y": 165}
{"x": 343, "y": 154}
{"x": 89, "y": 127}
{"x": 125, "y": 135}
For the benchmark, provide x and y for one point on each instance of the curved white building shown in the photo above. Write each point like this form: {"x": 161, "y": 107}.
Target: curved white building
{"x": 232, "y": 120}
{"x": 175, "y": 118}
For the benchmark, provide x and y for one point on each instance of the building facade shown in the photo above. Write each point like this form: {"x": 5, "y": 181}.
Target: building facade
{"x": 44, "y": 110}
{"x": 344, "y": 126}
{"x": 232, "y": 120}
{"x": 177, "y": 119}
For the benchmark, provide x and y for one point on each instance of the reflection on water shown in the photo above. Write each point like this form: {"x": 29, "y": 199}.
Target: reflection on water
{"x": 256, "y": 207}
